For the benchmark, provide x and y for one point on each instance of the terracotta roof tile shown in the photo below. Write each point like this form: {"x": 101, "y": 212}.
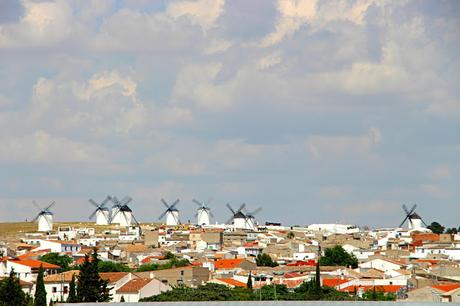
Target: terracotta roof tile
{"x": 134, "y": 285}
{"x": 227, "y": 263}
{"x": 333, "y": 282}
{"x": 32, "y": 263}
{"x": 232, "y": 282}
{"x": 64, "y": 276}
{"x": 446, "y": 287}
{"x": 113, "y": 277}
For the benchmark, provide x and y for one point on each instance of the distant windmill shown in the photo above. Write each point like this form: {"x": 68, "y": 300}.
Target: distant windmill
{"x": 414, "y": 221}
{"x": 238, "y": 218}
{"x": 203, "y": 212}
{"x": 171, "y": 213}
{"x": 121, "y": 213}
{"x": 251, "y": 222}
{"x": 101, "y": 212}
{"x": 44, "y": 217}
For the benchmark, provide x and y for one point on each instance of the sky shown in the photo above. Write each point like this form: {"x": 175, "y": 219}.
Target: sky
{"x": 316, "y": 111}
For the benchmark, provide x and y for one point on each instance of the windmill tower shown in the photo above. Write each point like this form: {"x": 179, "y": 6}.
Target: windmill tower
{"x": 171, "y": 213}
{"x": 101, "y": 212}
{"x": 203, "y": 212}
{"x": 238, "y": 219}
{"x": 115, "y": 216}
{"x": 44, "y": 217}
{"x": 123, "y": 214}
{"x": 251, "y": 222}
{"x": 414, "y": 221}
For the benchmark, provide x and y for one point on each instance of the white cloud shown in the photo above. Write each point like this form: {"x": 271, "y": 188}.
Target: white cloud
{"x": 41, "y": 147}
{"x": 439, "y": 172}
{"x": 319, "y": 146}
{"x": 201, "y": 12}
{"x": 435, "y": 191}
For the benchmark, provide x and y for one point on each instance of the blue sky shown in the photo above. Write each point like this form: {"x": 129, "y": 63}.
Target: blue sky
{"x": 318, "y": 111}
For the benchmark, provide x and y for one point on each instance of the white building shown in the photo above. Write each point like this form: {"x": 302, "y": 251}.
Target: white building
{"x": 59, "y": 246}
{"x": 334, "y": 228}
{"x": 139, "y": 288}
{"x": 26, "y": 269}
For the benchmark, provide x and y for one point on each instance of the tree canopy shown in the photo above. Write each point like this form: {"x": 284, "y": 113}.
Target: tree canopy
{"x": 90, "y": 286}
{"x": 57, "y": 259}
{"x": 264, "y": 260}
{"x": 337, "y": 256}
{"x": 40, "y": 292}
{"x": 108, "y": 266}
{"x": 436, "y": 227}
{"x": 11, "y": 293}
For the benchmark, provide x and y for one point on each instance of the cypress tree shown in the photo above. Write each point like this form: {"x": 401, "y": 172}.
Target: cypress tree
{"x": 249, "y": 283}
{"x": 122, "y": 300}
{"x": 90, "y": 287}
{"x": 72, "y": 291}
{"x": 40, "y": 292}
{"x": 11, "y": 293}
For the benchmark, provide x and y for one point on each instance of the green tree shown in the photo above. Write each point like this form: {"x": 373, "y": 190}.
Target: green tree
{"x": 337, "y": 256}
{"x": 108, "y": 266}
{"x": 40, "y": 292}
{"x": 169, "y": 255}
{"x": 11, "y": 293}
{"x": 264, "y": 260}
{"x": 57, "y": 259}
{"x": 436, "y": 228}
{"x": 72, "y": 291}
{"x": 452, "y": 230}
{"x": 249, "y": 282}
{"x": 290, "y": 235}
{"x": 90, "y": 286}
{"x": 122, "y": 300}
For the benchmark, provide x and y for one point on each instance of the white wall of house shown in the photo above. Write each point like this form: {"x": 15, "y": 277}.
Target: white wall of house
{"x": 23, "y": 272}
{"x": 57, "y": 291}
{"x": 380, "y": 264}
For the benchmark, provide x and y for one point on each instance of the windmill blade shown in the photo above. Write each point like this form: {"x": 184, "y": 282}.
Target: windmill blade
{"x": 126, "y": 200}
{"x": 174, "y": 204}
{"x": 231, "y": 209}
{"x": 36, "y": 217}
{"x": 209, "y": 201}
{"x": 163, "y": 214}
{"x": 405, "y": 209}
{"x": 115, "y": 201}
{"x": 108, "y": 198}
{"x": 241, "y": 207}
{"x": 165, "y": 203}
{"x": 117, "y": 211}
{"x": 94, "y": 203}
{"x": 49, "y": 206}
{"x": 36, "y": 205}
{"x": 93, "y": 214}
{"x": 135, "y": 220}
{"x": 229, "y": 220}
{"x": 423, "y": 221}
{"x": 210, "y": 213}
{"x": 412, "y": 209}
{"x": 175, "y": 218}
{"x": 196, "y": 215}
{"x": 404, "y": 220}
{"x": 197, "y": 203}
{"x": 252, "y": 214}
{"x": 48, "y": 221}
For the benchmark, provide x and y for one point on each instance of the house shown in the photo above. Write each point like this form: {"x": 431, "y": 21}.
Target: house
{"x": 233, "y": 266}
{"x": 57, "y": 285}
{"x": 138, "y": 288}
{"x": 381, "y": 264}
{"x": 190, "y": 276}
{"x": 448, "y": 292}
{"x": 60, "y": 246}
{"x": 116, "y": 280}
{"x": 26, "y": 269}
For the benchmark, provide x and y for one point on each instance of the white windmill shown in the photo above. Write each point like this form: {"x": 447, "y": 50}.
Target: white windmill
{"x": 44, "y": 217}
{"x": 171, "y": 213}
{"x": 414, "y": 221}
{"x": 251, "y": 222}
{"x": 115, "y": 217}
{"x": 101, "y": 212}
{"x": 238, "y": 219}
{"x": 203, "y": 212}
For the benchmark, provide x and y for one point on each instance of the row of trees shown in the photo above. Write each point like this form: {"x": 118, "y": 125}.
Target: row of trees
{"x": 437, "y": 228}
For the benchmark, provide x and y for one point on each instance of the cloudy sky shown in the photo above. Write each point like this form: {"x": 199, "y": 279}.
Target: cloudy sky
{"x": 318, "y": 111}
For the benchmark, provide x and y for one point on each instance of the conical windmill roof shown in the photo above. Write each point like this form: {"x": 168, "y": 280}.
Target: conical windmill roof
{"x": 125, "y": 208}
{"x": 239, "y": 215}
{"x": 414, "y": 216}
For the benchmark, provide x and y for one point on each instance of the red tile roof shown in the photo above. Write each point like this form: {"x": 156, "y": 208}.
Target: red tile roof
{"x": 232, "y": 282}
{"x": 383, "y": 288}
{"x": 32, "y": 263}
{"x": 333, "y": 282}
{"x": 446, "y": 287}
{"x": 134, "y": 285}
{"x": 227, "y": 263}
{"x": 113, "y": 277}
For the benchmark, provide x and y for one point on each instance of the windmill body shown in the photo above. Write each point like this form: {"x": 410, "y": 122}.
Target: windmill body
{"x": 251, "y": 222}
{"x": 126, "y": 216}
{"x": 203, "y": 212}
{"x": 238, "y": 219}
{"x": 172, "y": 218}
{"x": 171, "y": 213}
{"x": 203, "y": 217}
{"x": 44, "y": 217}
{"x": 102, "y": 217}
{"x": 45, "y": 222}
{"x": 120, "y": 212}
{"x": 414, "y": 221}
{"x": 101, "y": 212}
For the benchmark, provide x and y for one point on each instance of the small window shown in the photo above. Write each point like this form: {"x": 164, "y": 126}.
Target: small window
{"x": 164, "y": 281}
{"x": 54, "y": 289}
{"x": 66, "y": 289}
{"x": 182, "y": 272}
